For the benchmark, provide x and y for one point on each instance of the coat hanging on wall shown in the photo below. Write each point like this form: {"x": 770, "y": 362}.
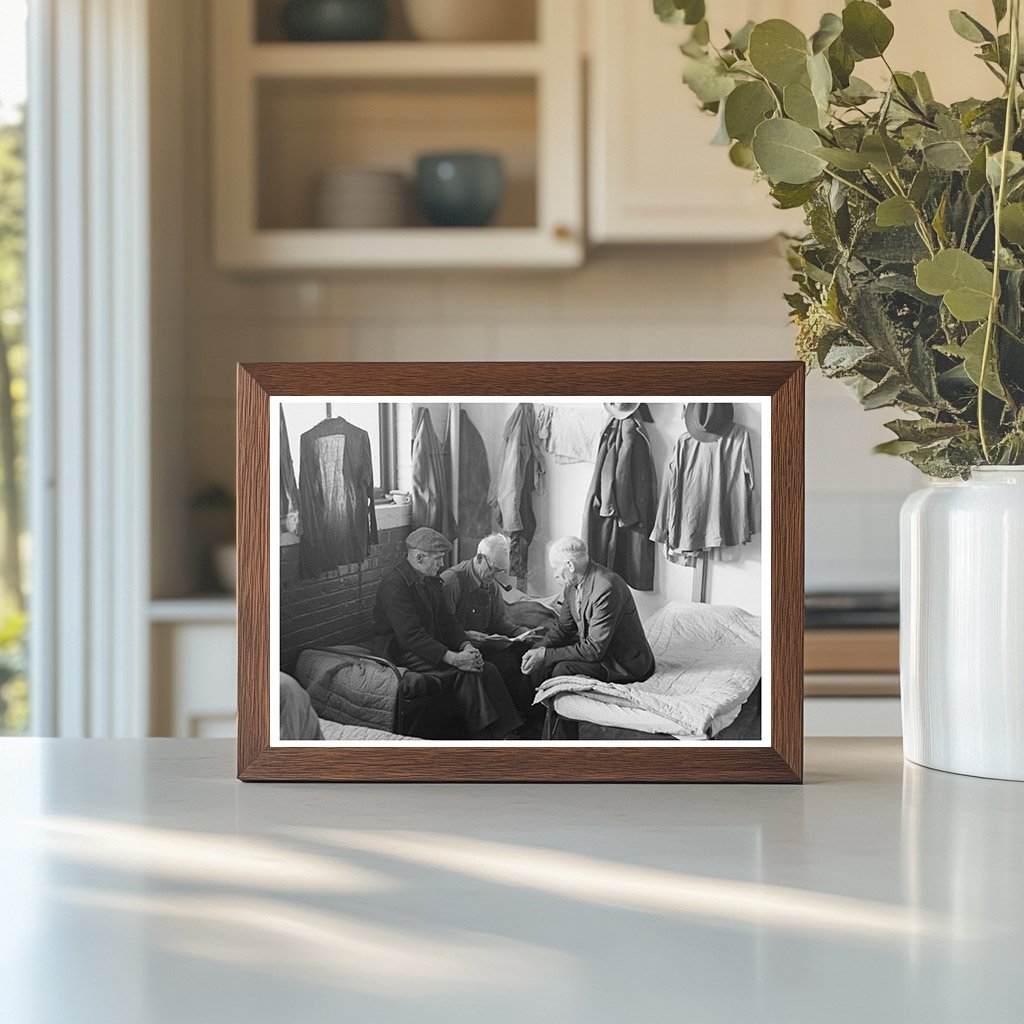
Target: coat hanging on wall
{"x": 520, "y": 476}
{"x": 337, "y": 515}
{"x": 474, "y": 482}
{"x": 708, "y": 499}
{"x": 431, "y": 477}
{"x": 621, "y": 503}
{"x": 289, "y": 488}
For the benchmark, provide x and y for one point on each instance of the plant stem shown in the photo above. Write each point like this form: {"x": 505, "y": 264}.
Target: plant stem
{"x": 993, "y": 309}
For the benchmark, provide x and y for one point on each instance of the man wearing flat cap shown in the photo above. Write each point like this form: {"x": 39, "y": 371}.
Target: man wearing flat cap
{"x": 417, "y": 630}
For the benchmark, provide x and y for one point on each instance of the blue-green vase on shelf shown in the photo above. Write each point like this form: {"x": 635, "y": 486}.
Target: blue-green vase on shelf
{"x": 334, "y": 20}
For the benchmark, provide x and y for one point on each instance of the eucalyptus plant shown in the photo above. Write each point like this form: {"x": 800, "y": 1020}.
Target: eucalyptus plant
{"x": 910, "y": 278}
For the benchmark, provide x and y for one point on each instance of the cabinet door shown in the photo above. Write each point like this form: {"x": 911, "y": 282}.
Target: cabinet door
{"x": 653, "y": 174}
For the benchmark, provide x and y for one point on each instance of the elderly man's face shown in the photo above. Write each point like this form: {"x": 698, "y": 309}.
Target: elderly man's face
{"x": 493, "y": 569}
{"x": 565, "y": 572}
{"x": 428, "y": 563}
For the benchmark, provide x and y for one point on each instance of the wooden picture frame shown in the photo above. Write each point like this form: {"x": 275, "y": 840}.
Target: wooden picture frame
{"x": 778, "y": 757}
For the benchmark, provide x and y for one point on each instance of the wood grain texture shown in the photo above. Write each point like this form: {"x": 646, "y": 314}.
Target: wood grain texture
{"x": 782, "y": 762}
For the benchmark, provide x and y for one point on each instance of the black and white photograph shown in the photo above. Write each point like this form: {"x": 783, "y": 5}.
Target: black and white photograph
{"x": 486, "y": 571}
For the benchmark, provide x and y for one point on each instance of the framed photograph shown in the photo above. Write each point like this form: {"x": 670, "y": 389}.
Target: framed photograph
{"x": 520, "y": 572}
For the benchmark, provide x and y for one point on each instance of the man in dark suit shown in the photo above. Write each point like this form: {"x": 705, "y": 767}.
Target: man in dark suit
{"x": 417, "y": 629}
{"x": 598, "y": 632}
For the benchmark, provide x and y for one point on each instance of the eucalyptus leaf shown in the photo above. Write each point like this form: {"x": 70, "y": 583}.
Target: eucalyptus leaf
{"x": 841, "y": 60}
{"x": 745, "y": 108}
{"x": 739, "y": 41}
{"x": 963, "y": 281}
{"x": 829, "y": 30}
{"x": 866, "y": 29}
{"x": 844, "y": 159}
{"x": 1012, "y": 223}
{"x": 946, "y": 156}
{"x": 969, "y": 28}
{"x": 895, "y": 447}
{"x": 895, "y": 212}
{"x": 789, "y": 197}
{"x": 999, "y": 7}
{"x": 800, "y": 105}
{"x": 741, "y": 155}
{"x": 676, "y": 12}
{"x": 708, "y": 81}
{"x": 820, "y": 76}
{"x": 972, "y": 352}
{"x": 779, "y": 51}
{"x": 883, "y": 153}
{"x": 785, "y": 152}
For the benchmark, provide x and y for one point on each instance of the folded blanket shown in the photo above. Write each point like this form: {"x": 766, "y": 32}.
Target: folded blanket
{"x": 708, "y": 661}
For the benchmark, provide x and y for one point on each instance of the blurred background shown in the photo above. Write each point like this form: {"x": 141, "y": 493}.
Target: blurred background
{"x": 254, "y": 180}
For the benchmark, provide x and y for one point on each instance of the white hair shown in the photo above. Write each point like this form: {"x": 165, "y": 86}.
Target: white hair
{"x": 569, "y": 549}
{"x": 494, "y": 546}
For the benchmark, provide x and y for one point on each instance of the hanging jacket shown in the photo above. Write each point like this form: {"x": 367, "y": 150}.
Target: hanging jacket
{"x": 621, "y": 504}
{"x": 431, "y": 477}
{"x": 289, "y": 497}
{"x": 708, "y": 499}
{"x": 474, "y": 482}
{"x": 520, "y": 476}
{"x": 337, "y": 517}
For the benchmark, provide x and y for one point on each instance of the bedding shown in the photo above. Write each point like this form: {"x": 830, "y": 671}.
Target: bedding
{"x": 708, "y": 661}
{"x": 337, "y": 731}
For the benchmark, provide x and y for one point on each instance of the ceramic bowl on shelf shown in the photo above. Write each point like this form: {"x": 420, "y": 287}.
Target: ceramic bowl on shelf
{"x": 400, "y": 497}
{"x": 334, "y": 21}
{"x": 361, "y": 198}
{"x": 460, "y": 189}
{"x": 468, "y": 20}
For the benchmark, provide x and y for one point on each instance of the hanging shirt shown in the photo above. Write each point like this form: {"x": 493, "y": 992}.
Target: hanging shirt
{"x": 336, "y": 510}
{"x": 289, "y": 489}
{"x": 708, "y": 498}
{"x": 571, "y": 433}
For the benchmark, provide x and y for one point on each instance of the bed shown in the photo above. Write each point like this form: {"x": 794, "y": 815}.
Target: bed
{"x": 708, "y": 660}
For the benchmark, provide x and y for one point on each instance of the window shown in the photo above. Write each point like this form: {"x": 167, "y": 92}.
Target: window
{"x": 14, "y": 704}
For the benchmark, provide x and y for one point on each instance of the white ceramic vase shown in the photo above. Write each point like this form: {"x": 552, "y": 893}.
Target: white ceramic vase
{"x": 962, "y": 624}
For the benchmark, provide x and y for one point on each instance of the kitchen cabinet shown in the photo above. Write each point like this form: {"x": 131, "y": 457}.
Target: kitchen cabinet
{"x": 653, "y": 175}
{"x": 286, "y": 113}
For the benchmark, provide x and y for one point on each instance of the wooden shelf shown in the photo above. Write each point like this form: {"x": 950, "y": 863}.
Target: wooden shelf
{"x": 400, "y": 247}
{"x": 393, "y": 60}
{"x": 852, "y": 650}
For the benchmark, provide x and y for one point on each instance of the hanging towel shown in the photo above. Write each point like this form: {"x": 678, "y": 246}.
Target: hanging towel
{"x": 431, "y": 477}
{"x": 621, "y": 504}
{"x": 337, "y": 515}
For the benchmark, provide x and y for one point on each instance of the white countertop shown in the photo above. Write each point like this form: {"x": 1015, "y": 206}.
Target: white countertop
{"x": 144, "y": 885}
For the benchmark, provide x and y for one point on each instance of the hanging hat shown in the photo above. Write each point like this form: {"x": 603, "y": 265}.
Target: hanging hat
{"x": 708, "y": 421}
{"x": 621, "y": 410}
{"x": 425, "y": 539}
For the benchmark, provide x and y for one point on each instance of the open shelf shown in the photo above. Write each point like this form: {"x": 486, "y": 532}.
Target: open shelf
{"x": 393, "y": 60}
{"x": 286, "y": 114}
{"x": 308, "y": 127}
